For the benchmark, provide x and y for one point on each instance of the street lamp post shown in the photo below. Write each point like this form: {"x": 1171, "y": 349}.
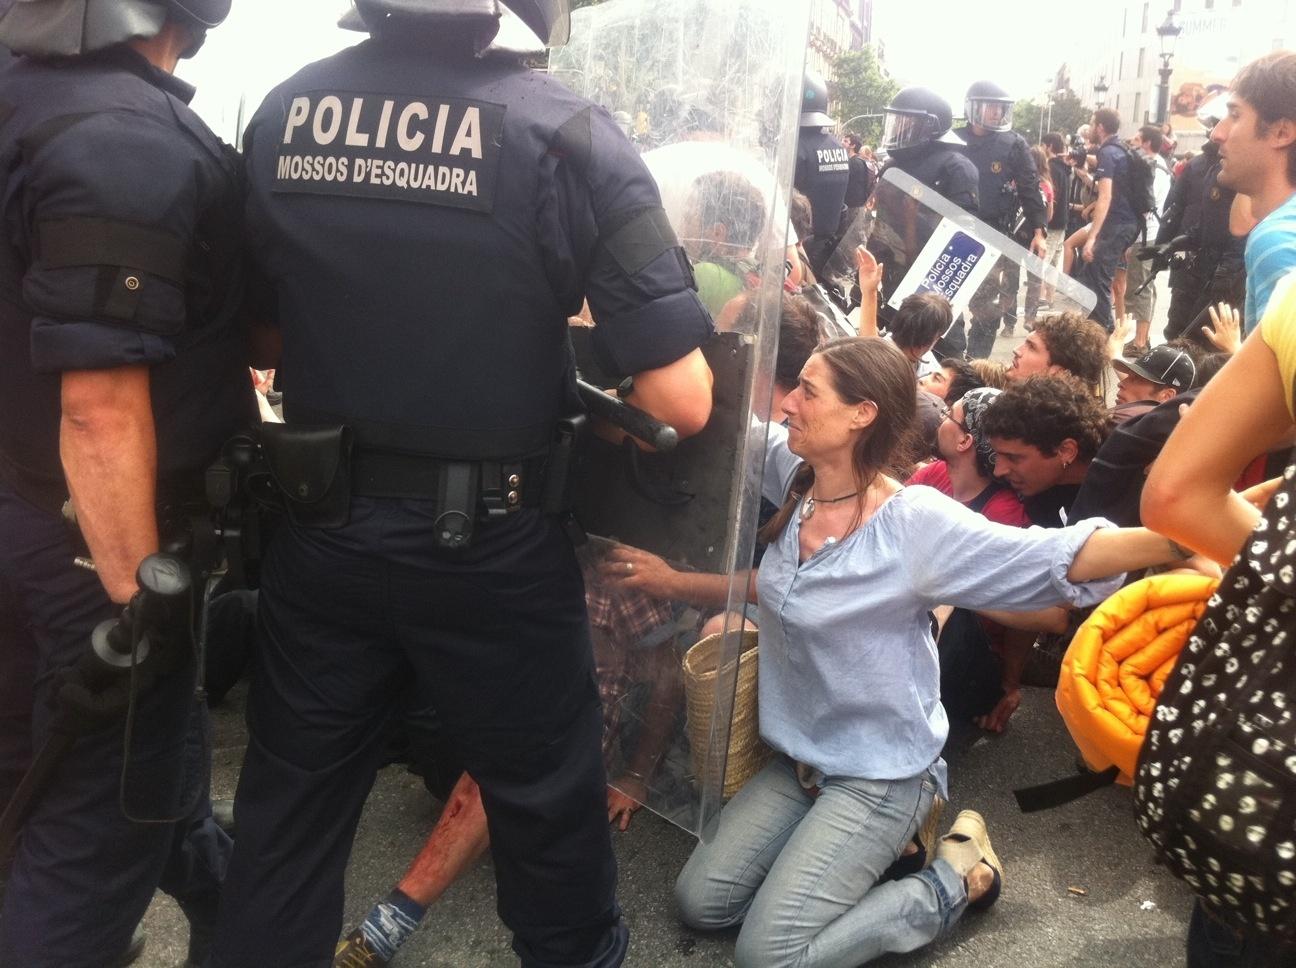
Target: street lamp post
{"x": 1168, "y": 32}
{"x": 1100, "y": 90}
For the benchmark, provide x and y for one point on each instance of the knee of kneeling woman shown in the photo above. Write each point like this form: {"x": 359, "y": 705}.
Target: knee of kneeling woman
{"x": 758, "y": 947}
{"x": 693, "y": 902}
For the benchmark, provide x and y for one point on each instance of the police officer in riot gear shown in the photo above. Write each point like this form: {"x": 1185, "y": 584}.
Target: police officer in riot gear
{"x": 469, "y": 205}
{"x": 1010, "y": 201}
{"x": 822, "y": 169}
{"x": 917, "y": 137}
{"x": 1211, "y": 266}
{"x": 121, "y": 374}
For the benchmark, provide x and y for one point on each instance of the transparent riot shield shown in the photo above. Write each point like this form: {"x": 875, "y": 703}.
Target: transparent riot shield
{"x": 709, "y": 90}
{"x": 925, "y": 243}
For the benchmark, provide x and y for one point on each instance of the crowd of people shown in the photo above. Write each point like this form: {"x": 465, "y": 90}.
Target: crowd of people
{"x": 935, "y": 523}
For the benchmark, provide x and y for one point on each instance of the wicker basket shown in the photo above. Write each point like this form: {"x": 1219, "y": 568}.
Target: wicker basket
{"x": 747, "y": 754}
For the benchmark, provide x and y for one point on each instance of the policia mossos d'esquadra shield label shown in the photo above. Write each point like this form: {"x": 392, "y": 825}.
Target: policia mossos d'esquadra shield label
{"x": 709, "y": 91}
{"x": 926, "y": 243}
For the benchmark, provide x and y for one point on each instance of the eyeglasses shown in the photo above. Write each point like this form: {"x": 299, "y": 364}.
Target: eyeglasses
{"x": 947, "y": 413}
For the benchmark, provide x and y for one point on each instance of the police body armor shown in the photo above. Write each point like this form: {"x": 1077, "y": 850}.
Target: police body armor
{"x": 943, "y": 168}
{"x": 997, "y": 156}
{"x": 822, "y": 173}
{"x": 92, "y": 265}
{"x": 406, "y": 136}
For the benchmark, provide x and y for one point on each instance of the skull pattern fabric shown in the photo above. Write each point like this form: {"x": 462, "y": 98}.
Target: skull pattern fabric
{"x": 1215, "y": 789}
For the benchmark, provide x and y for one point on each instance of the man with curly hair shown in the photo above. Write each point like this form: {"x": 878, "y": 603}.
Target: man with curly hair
{"x": 1045, "y": 430}
{"x": 1065, "y": 344}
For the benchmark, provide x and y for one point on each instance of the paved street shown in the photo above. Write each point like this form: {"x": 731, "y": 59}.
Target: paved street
{"x": 1091, "y": 845}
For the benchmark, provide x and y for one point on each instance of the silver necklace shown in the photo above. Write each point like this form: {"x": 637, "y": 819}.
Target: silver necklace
{"x": 808, "y": 508}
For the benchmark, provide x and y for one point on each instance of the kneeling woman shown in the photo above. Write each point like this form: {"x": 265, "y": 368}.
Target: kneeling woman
{"x": 849, "y": 692}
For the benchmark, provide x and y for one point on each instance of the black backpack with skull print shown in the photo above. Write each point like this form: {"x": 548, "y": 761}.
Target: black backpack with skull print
{"x": 1215, "y": 788}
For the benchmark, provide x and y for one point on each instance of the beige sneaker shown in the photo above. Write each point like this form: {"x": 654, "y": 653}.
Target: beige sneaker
{"x": 353, "y": 951}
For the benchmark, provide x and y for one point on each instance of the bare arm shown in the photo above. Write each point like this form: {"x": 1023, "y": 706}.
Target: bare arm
{"x": 1240, "y": 414}
{"x": 1110, "y": 551}
{"x": 645, "y": 572}
{"x": 109, "y": 453}
{"x": 678, "y": 394}
{"x": 870, "y": 278}
{"x": 1098, "y": 216}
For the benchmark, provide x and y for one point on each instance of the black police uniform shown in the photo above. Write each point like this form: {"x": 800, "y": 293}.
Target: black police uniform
{"x": 1008, "y": 190}
{"x": 428, "y": 221}
{"x": 822, "y": 174}
{"x": 944, "y": 169}
{"x": 120, "y": 234}
{"x": 1198, "y": 206}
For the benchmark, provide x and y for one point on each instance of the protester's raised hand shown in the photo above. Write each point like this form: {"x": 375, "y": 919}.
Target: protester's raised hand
{"x": 1225, "y": 330}
{"x": 870, "y": 271}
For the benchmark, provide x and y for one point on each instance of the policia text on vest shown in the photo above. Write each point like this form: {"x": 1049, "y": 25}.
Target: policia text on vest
{"x": 441, "y": 151}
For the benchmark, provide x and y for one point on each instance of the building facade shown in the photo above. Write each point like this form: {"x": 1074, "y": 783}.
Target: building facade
{"x": 1217, "y": 38}
{"x": 837, "y": 26}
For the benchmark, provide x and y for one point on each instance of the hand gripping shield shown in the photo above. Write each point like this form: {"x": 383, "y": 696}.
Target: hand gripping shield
{"x": 713, "y": 91}
{"x": 926, "y": 243}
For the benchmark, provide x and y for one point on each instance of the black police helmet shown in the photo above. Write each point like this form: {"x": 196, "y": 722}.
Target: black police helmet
{"x": 914, "y": 117}
{"x": 814, "y": 102}
{"x": 205, "y": 13}
{"x": 989, "y": 106}
{"x": 550, "y": 20}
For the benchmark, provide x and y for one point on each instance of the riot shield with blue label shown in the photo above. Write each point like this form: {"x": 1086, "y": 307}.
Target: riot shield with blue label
{"x": 925, "y": 243}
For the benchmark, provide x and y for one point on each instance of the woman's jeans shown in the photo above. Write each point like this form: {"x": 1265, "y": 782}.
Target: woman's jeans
{"x": 801, "y": 874}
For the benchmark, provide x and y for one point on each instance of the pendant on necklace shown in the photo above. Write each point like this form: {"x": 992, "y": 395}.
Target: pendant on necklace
{"x": 808, "y": 508}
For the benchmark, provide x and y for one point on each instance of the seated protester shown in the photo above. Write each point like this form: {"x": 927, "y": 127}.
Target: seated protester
{"x": 965, "y": 470}
{"x": 849, "y": 678}
{"x": 1155, "y": 377}
{"x": 1045, "y": 430}
{"x": 952, "y": 373}
{"x": 724, "y": 218}
{"x": 1068, "y": 343}
{"x": 981, "y": 661}
{"x": 916, "y": 326}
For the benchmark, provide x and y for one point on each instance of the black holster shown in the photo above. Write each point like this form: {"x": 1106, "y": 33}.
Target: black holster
{"x": 310, "y": 465}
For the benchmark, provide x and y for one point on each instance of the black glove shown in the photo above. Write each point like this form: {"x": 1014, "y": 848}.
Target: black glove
{"x": 85, "y": 707}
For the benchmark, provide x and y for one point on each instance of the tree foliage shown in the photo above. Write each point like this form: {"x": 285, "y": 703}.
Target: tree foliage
{"x": 1066, "y": 115}
{"x": 859, "y": 86}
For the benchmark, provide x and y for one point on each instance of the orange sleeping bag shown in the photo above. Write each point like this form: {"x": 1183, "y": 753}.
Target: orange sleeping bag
{"x": 1118, "y": 661}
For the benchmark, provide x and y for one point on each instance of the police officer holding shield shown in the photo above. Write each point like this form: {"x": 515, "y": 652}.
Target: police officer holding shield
{"x": 822, "y": 169}
{"x": 1010, "y": 202}
{"x": 916, "y": 134}
{"x": 121, "y": 373}
{"x": 428, "y": 214}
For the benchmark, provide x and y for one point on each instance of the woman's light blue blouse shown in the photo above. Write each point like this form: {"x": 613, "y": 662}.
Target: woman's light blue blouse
{"x": 849, "y": 676}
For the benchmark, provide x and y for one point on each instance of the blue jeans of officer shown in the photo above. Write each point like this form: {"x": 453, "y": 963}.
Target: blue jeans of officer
{"x": 83, "y": 874}
{"x": 803, "y": 875}
{"x": 496, "y": 639}
{"x": 1098, "y": 274}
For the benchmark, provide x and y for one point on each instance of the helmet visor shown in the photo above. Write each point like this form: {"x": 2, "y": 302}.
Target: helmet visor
{"x": 904, "y": 129}
{"x": 1212, "y": 111}
{"x": 993, "y": 114}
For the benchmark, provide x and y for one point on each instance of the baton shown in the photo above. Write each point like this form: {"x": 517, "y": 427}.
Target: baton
{"x": 662, "y": 437}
